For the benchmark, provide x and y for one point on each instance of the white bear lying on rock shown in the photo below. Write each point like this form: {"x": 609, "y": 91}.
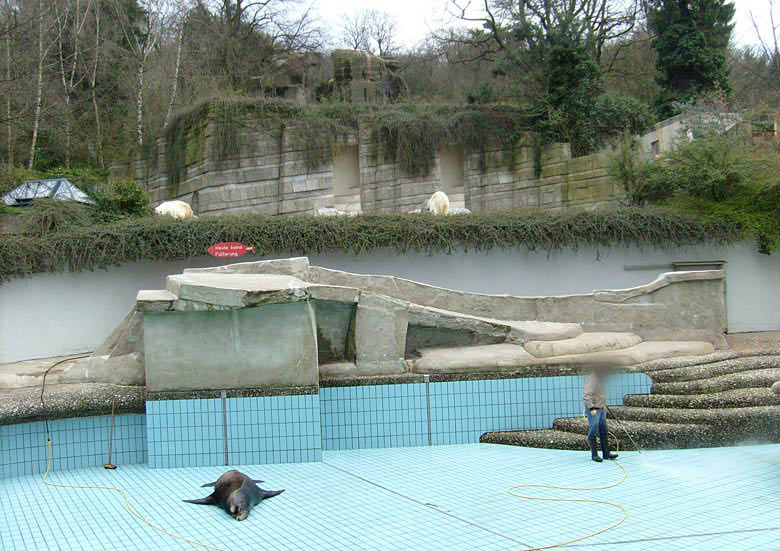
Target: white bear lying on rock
{"x": 176, "y": 209}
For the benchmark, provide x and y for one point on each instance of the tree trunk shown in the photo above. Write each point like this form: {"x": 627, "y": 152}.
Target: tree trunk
{"x": 39, "y": 93}
{"x": 92, "y": 84}
{"x": 175, "y": 77}
{"x": 8, "y": 100}
{"x": 139, "y": 115}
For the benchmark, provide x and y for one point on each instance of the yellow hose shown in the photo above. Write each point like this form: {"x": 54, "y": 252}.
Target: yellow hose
{"x": 128, "y": 506}
{"x": 511, "y": 491}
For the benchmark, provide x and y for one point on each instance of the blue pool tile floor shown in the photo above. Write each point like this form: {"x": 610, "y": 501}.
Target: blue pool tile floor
{"x": 427, "y": 498}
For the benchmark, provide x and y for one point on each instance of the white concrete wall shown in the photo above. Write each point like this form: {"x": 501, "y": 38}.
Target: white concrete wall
{"x": 48, "y": 315}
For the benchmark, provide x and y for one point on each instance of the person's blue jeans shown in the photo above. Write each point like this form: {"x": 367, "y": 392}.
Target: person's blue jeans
{"x": 597, "y": 424}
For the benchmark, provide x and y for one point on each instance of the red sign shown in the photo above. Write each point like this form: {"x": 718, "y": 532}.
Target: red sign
{"x": 230, "y": 250}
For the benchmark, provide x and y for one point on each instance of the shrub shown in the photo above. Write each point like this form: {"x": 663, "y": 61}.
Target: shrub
{"x": 616, "y": 113}
{"x": 634, "y": 169}
{"x": 162, "y": 238}
{"x": 47, "y": 216}
{"x": 13, "y": 176}
{"x": 715, "y": 165}
{"x": 718, "y": 175}
{"x": 84, "y": 178}
{"x": 121, "y": 198}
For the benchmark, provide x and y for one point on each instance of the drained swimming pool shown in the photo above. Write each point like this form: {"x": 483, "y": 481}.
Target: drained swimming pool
{"x": 441, "y": 497}
{"x": 379, "y": 417}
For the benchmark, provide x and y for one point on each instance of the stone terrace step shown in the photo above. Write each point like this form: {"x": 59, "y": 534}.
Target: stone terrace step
{"x": 582, "y": 344}
{"x": 715, "y": 369}
{"x": 551, "y": 439}
{"x": 746, "y": 379}
{"x": 760, "y": 419}
{"x": 740, "y": 397}
{"x": 648, "y": 434}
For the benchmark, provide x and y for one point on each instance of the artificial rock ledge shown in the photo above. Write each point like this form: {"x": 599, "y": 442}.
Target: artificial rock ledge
{"x": 285, "y": 323}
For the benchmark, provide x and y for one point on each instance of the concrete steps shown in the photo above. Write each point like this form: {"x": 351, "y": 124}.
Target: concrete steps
{"x": 716, "y": 403}
{"x": 714, "y": 369}
{"x": 570, "y": 434}
{"x": 647, "y": 434}
{"x": 724, "y": 417}
{"x": 550, "y": 439}
{"x": 740, "y": 397}
{"x": 754, "y": 378}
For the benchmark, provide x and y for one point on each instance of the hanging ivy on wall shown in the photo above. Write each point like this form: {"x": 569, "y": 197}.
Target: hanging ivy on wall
{"x": 94, "y": 246}
{"x": 409, "y": 134}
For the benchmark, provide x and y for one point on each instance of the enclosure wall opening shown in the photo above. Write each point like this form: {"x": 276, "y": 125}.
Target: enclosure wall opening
{"x": 451, "y": 175}
{"x": 346, "y": 179}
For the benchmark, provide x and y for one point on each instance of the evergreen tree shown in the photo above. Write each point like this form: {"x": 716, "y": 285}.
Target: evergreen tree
{"x": 561, "y": 80}
{"x": 691, "y": 40}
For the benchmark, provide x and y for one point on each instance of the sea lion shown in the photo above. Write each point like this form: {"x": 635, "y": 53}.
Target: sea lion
{"x": 236, "y": 493}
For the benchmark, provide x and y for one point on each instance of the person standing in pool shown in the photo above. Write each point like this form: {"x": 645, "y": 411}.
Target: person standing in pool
{"x": 595, "y": 398}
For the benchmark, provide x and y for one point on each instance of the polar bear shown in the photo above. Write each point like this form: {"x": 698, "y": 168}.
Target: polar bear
{"x": 176, "y": 209}
{"x": 439, "y": 204}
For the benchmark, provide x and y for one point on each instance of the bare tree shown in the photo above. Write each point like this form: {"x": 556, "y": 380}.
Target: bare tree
{"x": 241, "y": 40}
{"x": 9, "y": 17}
{"x": 93, "y": 86}
{"x": 141, "y": 39}
{"x": 769, "y": 44}
{"x": 181, "y": 27}
{"x": 603, "y": 20}
{"x": 354, "y": 31}
{"x": 370, "y": 31}
{"x": 45, "y": 24}
{"x": 384, "y": 30}
{"x": 70, "y": 23}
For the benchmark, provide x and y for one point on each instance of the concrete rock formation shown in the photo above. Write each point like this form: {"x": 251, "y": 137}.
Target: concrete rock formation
{"x": 287, "y": 323}
{"x": 360, "y": 77}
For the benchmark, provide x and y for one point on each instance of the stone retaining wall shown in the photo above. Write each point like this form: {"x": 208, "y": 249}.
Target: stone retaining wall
{"x": 270, "y": 176}
{"x": 507, "y": 179}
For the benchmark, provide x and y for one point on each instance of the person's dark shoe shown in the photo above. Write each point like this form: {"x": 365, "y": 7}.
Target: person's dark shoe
{"x": 605, "y": 450}
{"x": 594, "y": 454}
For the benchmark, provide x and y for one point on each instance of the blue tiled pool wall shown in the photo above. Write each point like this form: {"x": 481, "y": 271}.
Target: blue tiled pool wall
{"x": 76, "y": 443}
{"x": 460, "y": 411}
{"x": 283, "y": 429}
{"x": 258, "y": 430}
{"x": 376, "y": 416}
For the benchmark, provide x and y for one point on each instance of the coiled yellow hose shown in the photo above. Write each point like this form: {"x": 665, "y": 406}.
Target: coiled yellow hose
{"x": 512, "y": 491}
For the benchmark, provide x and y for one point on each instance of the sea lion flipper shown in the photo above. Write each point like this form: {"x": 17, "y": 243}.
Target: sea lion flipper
{"x": 265, "y": 494}
{"x": 258, "y": 481}
{"x": 208, "y": 500}
{"x": 209, "y": 485}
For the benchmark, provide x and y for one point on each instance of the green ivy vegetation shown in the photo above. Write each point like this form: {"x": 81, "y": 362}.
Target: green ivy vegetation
{"x": 90, "y": 247}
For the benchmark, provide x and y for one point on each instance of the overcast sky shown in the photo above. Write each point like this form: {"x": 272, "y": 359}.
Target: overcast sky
{"x": 417, "y": 17}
